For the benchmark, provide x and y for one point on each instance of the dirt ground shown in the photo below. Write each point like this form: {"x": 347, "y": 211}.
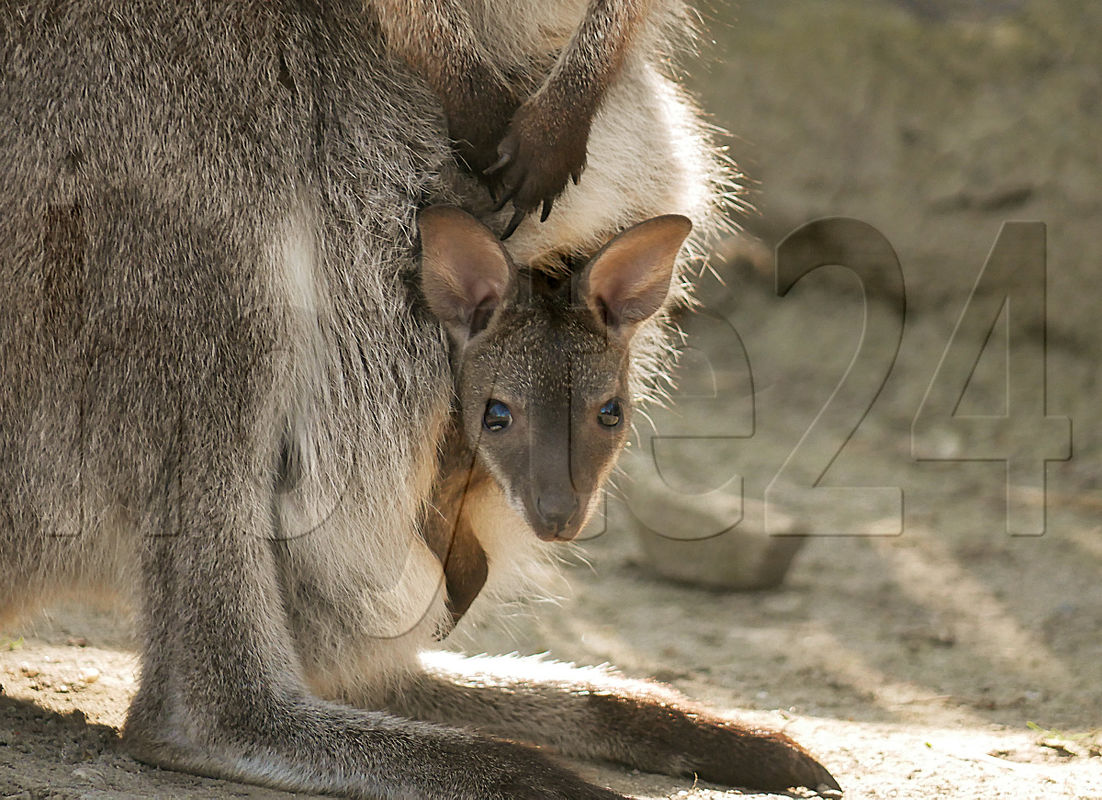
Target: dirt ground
{"x": 926, "y": 653}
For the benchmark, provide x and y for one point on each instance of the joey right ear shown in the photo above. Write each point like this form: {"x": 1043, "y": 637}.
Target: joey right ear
{"x": 629, "y": 278}
{"x": 465, "y": 272}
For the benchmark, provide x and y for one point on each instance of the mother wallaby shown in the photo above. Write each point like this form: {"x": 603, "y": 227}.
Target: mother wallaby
{"x": 221, "y": 396}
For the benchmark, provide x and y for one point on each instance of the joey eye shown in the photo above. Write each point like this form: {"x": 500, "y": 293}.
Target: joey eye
{"x": 610, "y": 414}
{"x": 497, "y": 416}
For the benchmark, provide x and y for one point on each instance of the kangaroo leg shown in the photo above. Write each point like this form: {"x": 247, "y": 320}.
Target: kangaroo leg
{"x": 547, "y": 138}
{"x": 221, "y": 692}
{"x": 529, "y": 147}
{"x": 436, "y": 38}
{"x": 594, "y": 713}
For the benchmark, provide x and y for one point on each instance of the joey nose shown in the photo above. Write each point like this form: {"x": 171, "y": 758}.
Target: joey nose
{"x": 555, "y": 511}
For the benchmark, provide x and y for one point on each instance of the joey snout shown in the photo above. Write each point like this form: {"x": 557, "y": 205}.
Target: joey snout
{"x": 561, "y": 465}
{"x": 556, "y": 513}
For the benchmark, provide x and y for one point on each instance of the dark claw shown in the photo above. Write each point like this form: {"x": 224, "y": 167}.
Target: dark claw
{"x": 518, "y": 217}
{"x": 546, "y": 209}
{"x": 505, "y": 198}
{"x": 576, "y": 176}
{"x": 502, "y": 160}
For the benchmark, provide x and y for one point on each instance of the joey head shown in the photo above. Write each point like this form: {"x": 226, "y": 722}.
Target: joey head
{"x": 542, "y": 362}
{"x": 543, "y": 400}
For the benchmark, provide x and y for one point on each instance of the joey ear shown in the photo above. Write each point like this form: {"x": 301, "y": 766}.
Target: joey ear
{"x": 465, "y": 272}
{"x": 629, "y": 278}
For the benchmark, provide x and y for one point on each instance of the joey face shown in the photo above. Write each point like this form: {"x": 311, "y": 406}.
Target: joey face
{"x": 542, "y": 365}
{"x": 546, "y": 406}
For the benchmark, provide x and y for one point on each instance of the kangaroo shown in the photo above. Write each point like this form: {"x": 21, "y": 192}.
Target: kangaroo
{"x": 223, "y": 400}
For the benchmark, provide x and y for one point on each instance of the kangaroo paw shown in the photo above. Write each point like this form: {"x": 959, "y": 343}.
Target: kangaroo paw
{"x": 687, "y": 742}
{"x": 542, "y": 151}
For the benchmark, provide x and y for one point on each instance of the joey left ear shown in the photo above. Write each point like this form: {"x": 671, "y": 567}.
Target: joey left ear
{"x": 465, "y": 272}
{"x": 629, "y": 278}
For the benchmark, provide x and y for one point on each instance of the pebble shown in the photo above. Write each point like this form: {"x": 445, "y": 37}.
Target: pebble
{"x": 88, "y": 675}
{"x": 28, "y": 670}
{"x": 90, "y": 774}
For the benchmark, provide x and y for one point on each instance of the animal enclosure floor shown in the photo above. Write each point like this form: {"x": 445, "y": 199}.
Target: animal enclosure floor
{"x": 66, "y": 687}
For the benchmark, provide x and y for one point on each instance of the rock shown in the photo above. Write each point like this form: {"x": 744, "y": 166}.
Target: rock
{"x": 88, "y": 675}
{"x": 704, "y": 542}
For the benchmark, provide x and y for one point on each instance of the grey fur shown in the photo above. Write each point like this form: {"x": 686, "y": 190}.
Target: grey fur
{"x": 219, "y": 395}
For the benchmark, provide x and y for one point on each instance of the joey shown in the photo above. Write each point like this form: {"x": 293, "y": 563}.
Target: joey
{"x": 543, "y": 401}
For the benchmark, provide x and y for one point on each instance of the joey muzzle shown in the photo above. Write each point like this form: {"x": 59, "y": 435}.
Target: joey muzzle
{"x": 562, "y": 469}
{"x": 555, "y": 514}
